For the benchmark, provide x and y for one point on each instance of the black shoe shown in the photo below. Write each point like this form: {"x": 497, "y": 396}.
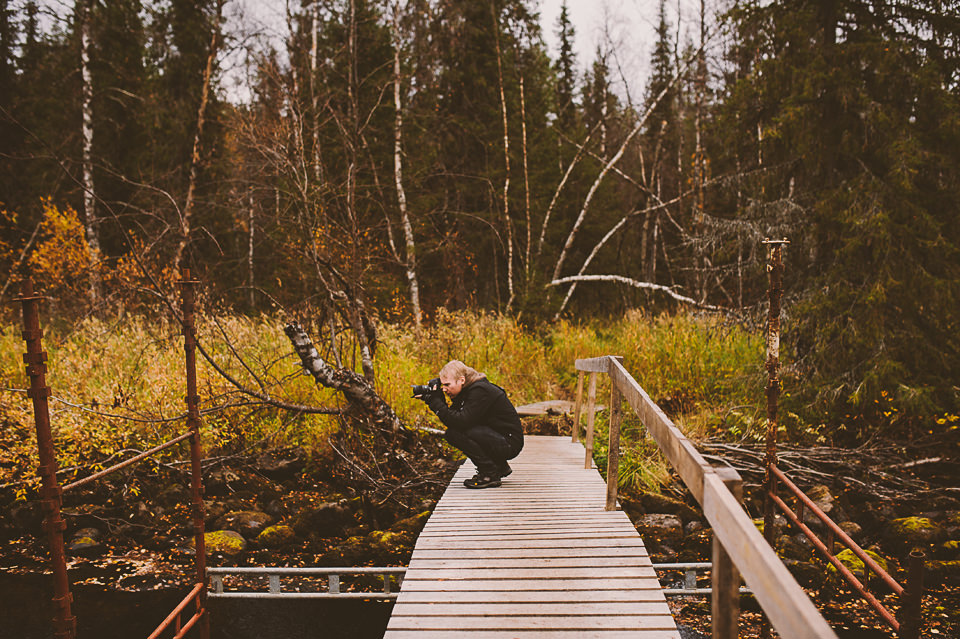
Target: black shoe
{"x": 505, "y": 470}
{"x": 482, "y": 481}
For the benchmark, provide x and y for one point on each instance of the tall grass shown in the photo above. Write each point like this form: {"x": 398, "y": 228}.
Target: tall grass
{"x": 120, "y": 385}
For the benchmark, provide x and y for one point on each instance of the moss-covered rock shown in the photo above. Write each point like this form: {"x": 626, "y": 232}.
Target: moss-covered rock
{"x": 248, "y": 523}
{"x": 276, "y": 536}
{"x": 853, "y": 563}
{"x": 915, "y": 530}
{"x": 412, "y": 524}
{"x": 225, "y": 542}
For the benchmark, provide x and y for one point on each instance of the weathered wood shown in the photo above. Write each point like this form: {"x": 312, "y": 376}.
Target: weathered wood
{"x": 548, "y": 407}
{"x": 674, "y": 445}
{"x": 593, "y": 365}
{"x": 575, "y": 430}
{"x": 724, "y": 576}
{"x": 535, "y": 557}
{"x": 613, "y": 449}
{"x": 535, "y": 634}
{"x": 591, "y": 415}
{"x": 786, "y": 604}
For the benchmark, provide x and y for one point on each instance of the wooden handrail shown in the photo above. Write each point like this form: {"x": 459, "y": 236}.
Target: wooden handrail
{"x": 785, "y": 603}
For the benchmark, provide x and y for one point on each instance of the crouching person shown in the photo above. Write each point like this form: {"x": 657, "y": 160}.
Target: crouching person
{"x": 481, "y": 422}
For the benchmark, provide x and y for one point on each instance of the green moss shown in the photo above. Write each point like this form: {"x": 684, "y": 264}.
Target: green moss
{"x": 916, "y": 529}
{"x": 225, "y": 541}
{"x": 853, "y": 563}
{"x": 274, "y": 536}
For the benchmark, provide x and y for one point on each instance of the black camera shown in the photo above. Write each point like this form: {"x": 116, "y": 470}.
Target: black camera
{"x": 433, "y": 386}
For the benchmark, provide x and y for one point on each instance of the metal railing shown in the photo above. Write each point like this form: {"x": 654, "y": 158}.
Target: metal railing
{"x": 738, "y": 547}
{"x": 64, "y": 622}
{"x": 334, "y": 585}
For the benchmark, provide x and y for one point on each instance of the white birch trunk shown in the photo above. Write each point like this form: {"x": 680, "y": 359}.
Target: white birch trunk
{"x": 411, "y": 254}
{"x": 506, "y": 160}
{"x": 89, "y": 193}
{"x": 606, "y": 169}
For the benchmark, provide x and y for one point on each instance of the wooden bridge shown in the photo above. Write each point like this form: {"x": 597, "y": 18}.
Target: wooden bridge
{"x": 548, "y": 554}
{"x": 539, "y": 556}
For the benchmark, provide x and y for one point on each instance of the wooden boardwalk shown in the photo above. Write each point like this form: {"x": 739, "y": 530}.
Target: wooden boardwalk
{"x": 537, "y": 557}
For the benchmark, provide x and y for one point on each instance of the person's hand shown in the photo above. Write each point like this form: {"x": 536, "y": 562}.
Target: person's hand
{"x": 435, "y": 401}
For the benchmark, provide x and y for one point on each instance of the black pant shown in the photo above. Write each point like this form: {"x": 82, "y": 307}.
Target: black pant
{"x": 486, "y": 448}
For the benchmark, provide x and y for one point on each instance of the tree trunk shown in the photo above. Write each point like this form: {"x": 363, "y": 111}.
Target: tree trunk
{"x": 89, "y": 194}
{"x": 411, "y": 254}
{"x": 356, "y": 390}
{"x": 506, "y": 158}
{"x": 187, "y": 214}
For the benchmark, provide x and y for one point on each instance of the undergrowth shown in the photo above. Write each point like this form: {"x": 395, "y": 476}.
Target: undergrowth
{"x": 118, "y": 385}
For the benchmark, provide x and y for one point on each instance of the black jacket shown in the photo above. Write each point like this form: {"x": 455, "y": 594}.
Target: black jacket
{"x": 480, "y": 403}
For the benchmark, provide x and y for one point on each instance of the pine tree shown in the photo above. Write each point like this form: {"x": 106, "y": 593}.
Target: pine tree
{"x": 565, "y": 70}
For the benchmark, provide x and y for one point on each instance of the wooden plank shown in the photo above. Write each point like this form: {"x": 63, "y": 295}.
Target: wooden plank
{"x": 532, "y": 553}
{"x": 548, "y": 407}
{"x": 537, "y": 557}
{"x": 544, "y": 572}
{"x": 527, "y": 562}
{"x": 572, "y": 597}
{"x": 587, "y": 586}
{"x": 502, "y": 609}
{"x": 674, "y": 445}
{"x": 593, "y": 365}
{"x": 534, "y": 634}
{"x": 467, "y": 622}
{"x": 786, "y": 604}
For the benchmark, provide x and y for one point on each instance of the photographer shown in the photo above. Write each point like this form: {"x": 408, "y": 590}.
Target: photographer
{"x": 481, "y": 422}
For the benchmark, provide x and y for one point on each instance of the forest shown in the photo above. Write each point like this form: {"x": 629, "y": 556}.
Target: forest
{"x": 378, "y": 161}
{"x": 416, "y": 181}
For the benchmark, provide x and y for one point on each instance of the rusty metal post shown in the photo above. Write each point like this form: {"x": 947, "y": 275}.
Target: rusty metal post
{"x": 774, "y": 293}
{"x": 912, "y": 597}
{"x": 64, "y": 623}
{"x": 187, "y": 307}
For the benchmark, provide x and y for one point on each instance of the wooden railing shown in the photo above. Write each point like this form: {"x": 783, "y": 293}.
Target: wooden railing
{"x": 738, "y": 547}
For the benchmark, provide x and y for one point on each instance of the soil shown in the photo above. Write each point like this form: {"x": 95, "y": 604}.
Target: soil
{"x": 142, "y": 557}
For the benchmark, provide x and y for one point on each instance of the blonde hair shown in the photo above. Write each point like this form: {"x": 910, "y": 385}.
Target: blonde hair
{"x": 457, "y": 369}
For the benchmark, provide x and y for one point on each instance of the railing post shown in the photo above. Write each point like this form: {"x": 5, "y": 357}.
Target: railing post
{"x": 613, "y": 449}
{"x": 64, "y": 624}
{"x": 187, "y": 306}
{"x": 912, "y": 597}
{"x": 725, "y": 595}
{"x": 591, "y": 413}
{"x": 575, "y": 431}
{"x": 774, "y": 292}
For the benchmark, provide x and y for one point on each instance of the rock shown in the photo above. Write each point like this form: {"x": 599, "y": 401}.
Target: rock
{"x": 276, "y": 536}
{"x": 853, "y": 529}
{"x": 915, "y": 530}
{"x": 665, "y": 555}
{"x": 807, "y": 574}
{"x": 327, "y": 520}
{"x": 412, "y": 524}
{"x": 225, "y": 542}
{"x": 795, "y": 547}
{"x": 281, "y": 467}
{"x": 659, "y": 526}
{"x": 854, "y": 564}
{"x": 85, "y": 542}
{"x": 943, "y": 571}
{"x": 650, "y": 502}
{"x": 694, "y": 526}
{"x": 248, "y": 523}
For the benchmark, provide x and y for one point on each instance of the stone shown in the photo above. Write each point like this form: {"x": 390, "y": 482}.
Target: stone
{"x": 915, "y": 530}
{"x": 248, "y": 523}
{"x": 326, "y": 520}
{"x": 225, "y": 542}
{"x": 853, "y": 530}
{"x": 659, "y": 526}
{"x": 413, "y": 524}
{"x": 276, "y": 536}
{"x": 854, "y": 564}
